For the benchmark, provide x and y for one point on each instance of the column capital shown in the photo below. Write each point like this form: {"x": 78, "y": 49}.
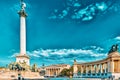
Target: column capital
{"x": 22, "y": 13}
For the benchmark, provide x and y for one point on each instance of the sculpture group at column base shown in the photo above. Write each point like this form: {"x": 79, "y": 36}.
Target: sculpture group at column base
{"x": 23, "y": 59}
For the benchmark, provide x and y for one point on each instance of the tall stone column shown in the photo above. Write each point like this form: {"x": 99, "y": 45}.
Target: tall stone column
{"x": 105, "y": 67}
{"x": 119, "y": 66}
{"x": 56, "y": 72}
{"x": 108, "y": 63}
{"x": 46, "y": 72}
{"x": 91, "y": 68}
{"x": 22, "y": 35}
{"x": 75, "y": 69}
{"x": 50, "y": 72}
{"x": 86, "y": 68}
{"x": 81, "y": 69}
{"x": 97, "y": 66}
{"x": 22, "y": 13}
{"x": 112, "y": 66}
{"x": 101, "y": 68}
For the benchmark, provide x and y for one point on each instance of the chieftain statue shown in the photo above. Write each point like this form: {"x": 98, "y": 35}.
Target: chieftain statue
{"x": 114, "y": 48}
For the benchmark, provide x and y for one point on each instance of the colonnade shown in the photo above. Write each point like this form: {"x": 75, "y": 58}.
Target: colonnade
{"x": 100, "y": 68}
{"x": 94, "y": 68}
{"x": 106, "y": 68}
{"x": 52, "y": 71}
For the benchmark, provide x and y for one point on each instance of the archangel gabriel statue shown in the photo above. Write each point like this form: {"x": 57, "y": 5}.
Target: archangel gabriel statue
{"x": 23, "y": 5}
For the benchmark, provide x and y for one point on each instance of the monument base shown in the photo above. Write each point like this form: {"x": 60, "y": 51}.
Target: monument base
{"x": 23, "y": 59}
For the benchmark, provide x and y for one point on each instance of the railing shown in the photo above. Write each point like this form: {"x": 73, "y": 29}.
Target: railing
{"x": 93, "y": 75}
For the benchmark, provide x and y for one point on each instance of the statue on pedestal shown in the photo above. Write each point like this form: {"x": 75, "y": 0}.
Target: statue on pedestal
{"x": 114, "y": 48}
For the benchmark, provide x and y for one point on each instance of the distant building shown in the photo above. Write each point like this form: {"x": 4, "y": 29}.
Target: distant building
{"x": 106, "y": 68}
{"x": 53, "y": 70}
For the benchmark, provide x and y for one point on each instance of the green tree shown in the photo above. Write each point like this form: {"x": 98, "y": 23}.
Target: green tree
{"x": 67, "y": 72}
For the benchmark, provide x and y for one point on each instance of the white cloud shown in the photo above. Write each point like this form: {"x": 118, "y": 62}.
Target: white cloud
{"x": 117, "y": 38}
{"x": 77, "y": 5}
{"x": 90, "y": 53}
{"x": 101, "y": 6}
{"x": 64, "y": 52}
{"x": 87, "y": 18}
{"x": 85, "y": 13}
{"x": 34, "y": 55}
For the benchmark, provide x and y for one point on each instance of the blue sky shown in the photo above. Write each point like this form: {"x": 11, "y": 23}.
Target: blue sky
{"x": 59, "y": 31}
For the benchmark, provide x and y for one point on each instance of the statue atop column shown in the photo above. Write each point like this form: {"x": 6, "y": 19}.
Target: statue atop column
{"x": 22, "y": 11}
{"x": 23, "y": 5}
{"x": 114, "y": 48}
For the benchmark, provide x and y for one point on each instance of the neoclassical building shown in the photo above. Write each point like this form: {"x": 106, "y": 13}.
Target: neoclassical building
{"x": 106, "y": 68}
{"x": 53, "y": 70}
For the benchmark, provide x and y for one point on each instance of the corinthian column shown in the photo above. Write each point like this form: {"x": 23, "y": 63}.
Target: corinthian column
{"x": 22, "y": 35}
{"x": 75, "y": 69}
{"x": 112, "y": 66}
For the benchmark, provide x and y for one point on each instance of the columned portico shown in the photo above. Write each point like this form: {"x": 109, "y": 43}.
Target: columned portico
{"x": 54, "y": 70}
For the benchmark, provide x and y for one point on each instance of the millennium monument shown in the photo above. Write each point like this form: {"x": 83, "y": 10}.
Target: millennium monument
{"x": 23, "y": 57}
{"x": 106, "y": 68}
